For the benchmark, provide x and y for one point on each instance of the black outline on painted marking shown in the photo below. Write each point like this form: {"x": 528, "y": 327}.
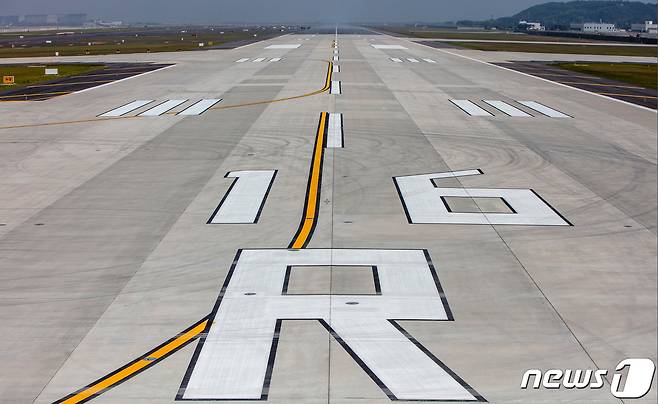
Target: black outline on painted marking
{"x": 545, "y": 106}
{"x": 201, "y": 112}
{"x": 375, "y": 280}
{"x": 121, "y": 106}
{"x": 164, "y": 112}
{"x": 447, "y": 205}
{"x": 277, "y": 329}
{"x": 142, "y": 357}
{"x": 230, "y": 188}
{"x": 342, "y": 131}
{"x": 511, "y": 116}
{"x": 310, "y": 178}
{"x": 466, "y": 112}
{"x": 406, "y": 212}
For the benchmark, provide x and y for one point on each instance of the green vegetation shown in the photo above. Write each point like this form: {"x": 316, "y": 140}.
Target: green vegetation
{"x": 560, "y": 15}
{"x": 124, "y": 41}
{"x": 643, "y": 75}
{"x": 25, "y": 75}
{"x": 447, "y": 33}
{"x": 621, "y": 50}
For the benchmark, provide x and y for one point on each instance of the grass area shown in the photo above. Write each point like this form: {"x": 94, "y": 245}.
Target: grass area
{"x": 482, "y": 35}
{"x": 124, "y": 41}
{"x": 643, "y": 75}
{"x": 621, "y": 50}
{"x": 25, "y": 75}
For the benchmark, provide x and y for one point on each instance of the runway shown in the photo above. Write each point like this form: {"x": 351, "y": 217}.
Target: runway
{"x": 306, "y": 220}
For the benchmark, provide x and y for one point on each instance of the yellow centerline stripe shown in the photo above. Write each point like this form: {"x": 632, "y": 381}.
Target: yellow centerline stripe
{"x": 307, "y": 225}
{"x": 299, "y": 241}
{"x": 143, "y": 362}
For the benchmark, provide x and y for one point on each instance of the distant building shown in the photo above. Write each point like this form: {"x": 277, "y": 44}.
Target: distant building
{"x": 649, "y": 27}
{"x": 8, "y": 20}
{"x": 530, "y": 26}
{"x": 35, "y": 19}
{"x": 594, "y": 27}
{"x": 72, "y": 20}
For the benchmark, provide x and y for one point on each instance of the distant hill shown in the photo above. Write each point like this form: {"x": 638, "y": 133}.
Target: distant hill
{"x": 560, "y": 15}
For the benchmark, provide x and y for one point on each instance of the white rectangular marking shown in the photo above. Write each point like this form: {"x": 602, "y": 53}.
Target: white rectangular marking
{"x": 284, "y": 46}
{"x": 336, "y": 69}
{"x": 275, "y": 60}
{"x": 541, "y": 108}
{"x": 335, "y": 87}
{"x": 335, "y": 58}
{"x": 412, "y": 60}
{"x": 396, "y": 60}
{"x": 162, "y": 108}
{"x": 124, "y": 109}
{"x": 430, "y": 60}
{"x": 200, "y": 107}
{"x": 470, "y": 108}
{"x": 245, "y": 199}
{"x": 388, "y": 46}
{"x": 258, "y": 60}
{"x": 507, "y": 109}
{"x": 335, "y": 130}
{"x": 241, "y": 60}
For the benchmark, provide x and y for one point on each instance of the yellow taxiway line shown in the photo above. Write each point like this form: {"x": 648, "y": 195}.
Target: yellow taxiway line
{"x": 300, "y": 240}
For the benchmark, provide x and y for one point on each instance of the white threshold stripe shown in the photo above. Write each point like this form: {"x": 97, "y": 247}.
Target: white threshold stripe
{"x": 543, "y": 109}
{"x": 124, "y": 109}
{"x": 335, "y": 87}
{"x": 396, "y": 60}
{"x": 258, "y": 60}
{"x": 430, "y": 60}
{"x": 335, "y": 130}
{"x": 162, "y": 108}
{"x": 470, "y": 108}
{"x": 244, "y": 200}
{"x": 241, "y": 60}
{"x": 275, "y": 59}
{"x": 200, "y": 107}
{"x": 507, "y": 109}
{"x": 412, "y": 60}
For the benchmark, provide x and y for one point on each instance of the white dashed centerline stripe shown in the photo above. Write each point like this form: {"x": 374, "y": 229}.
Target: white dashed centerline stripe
{"x": 430, "y": 60}
{"x": 162, "y": 108}
{"x": 275, "y": 59}
{"x": 336, "y": 69}
{"x": 241, "y": 60}
{"x": 506, "y": 108}
{"x": 543, "y": 109}
{"x": 412, "y": 60}
{"x": 396, "y": 60}
{"x": 124, "y": 109}
{"x": 470, "y": 108}
{"x": 258, "y": 60}
{"x": 200, "y": 107}
{"x": 335, "y": 130}
{"x": 335, "y": 87}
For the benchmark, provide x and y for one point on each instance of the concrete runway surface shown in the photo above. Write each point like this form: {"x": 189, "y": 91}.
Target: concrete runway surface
{"x": 324, "y": 224}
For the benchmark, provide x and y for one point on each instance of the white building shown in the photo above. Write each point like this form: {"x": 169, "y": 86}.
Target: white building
{"x": 648, "y": 27}
{"x": 594, "y": 27}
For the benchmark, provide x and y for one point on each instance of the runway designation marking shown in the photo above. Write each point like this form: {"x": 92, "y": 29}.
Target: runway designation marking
{"x": 470, "y": 108}
{"x": 162, "y": 108}
{"x": 235, "y": 358}
{"x": 543, "y": 109}
{"x": 245, "y": 198}
{"x": 507, "y": 108}
{"x": 124, "y": 109}
{"x": 423, "y": 202}
{"x": 199, "y": 107}
{"x": 335, "y": 87}
{"x": 284, "y": 46}
{"x": 335, "y": 136}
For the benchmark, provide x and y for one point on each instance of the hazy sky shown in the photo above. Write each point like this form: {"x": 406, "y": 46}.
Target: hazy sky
{"x": 256, "y": 11}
